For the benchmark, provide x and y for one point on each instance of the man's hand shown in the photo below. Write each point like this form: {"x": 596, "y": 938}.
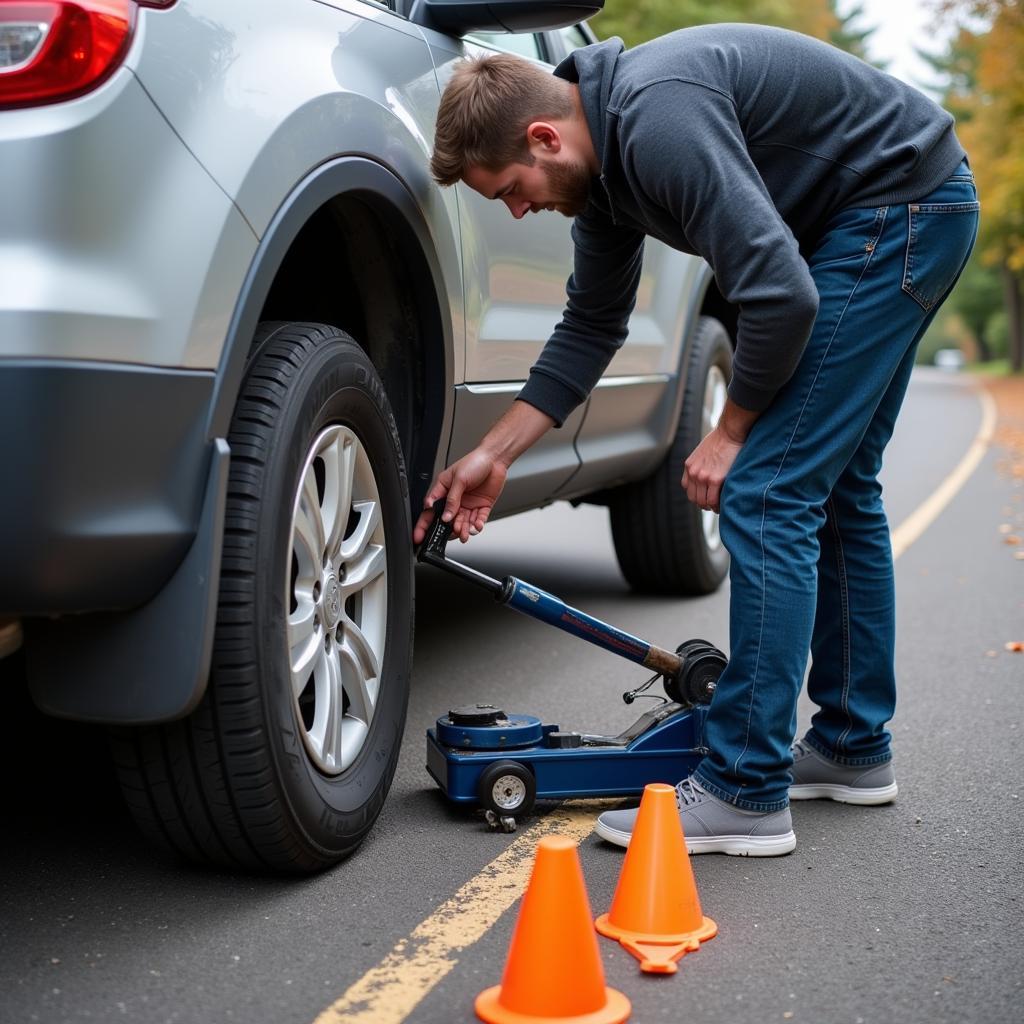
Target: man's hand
{"x": 472, "y": 486}
{"x": 709, "y": 463}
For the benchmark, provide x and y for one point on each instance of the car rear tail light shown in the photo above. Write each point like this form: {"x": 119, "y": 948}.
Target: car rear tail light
{"x": 53, "y": 50}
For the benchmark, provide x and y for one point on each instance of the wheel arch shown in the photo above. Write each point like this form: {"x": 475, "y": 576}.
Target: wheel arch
{"x": 390, "y": 295}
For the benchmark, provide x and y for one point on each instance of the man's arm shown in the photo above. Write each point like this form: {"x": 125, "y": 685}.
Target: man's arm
{"x": 600, "y": 295}
{"x": 471, "y": 485}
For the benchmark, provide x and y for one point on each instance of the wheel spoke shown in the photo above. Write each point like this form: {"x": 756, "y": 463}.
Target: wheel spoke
{"x": 304, "y": 642}
{"x": 309, "y": 527}
{"x": 332, "y": 748}
{"x": 339, "y": 468}
{"x": 356, "y": 649}
{"x": 353, "y": 736}
{"x": 365, "y": 571}
{"x": 369, "y": 520}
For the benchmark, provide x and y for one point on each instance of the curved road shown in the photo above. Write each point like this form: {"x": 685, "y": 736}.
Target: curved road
{"x": 906, "y": 913}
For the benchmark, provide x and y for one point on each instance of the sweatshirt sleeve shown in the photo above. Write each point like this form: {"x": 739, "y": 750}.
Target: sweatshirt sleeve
{"x": 600, "y": 295}
{"x": 685, "y": 153}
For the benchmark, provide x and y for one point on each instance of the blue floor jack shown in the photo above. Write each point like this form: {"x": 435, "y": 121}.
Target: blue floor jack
{"x": 478, "y": 754}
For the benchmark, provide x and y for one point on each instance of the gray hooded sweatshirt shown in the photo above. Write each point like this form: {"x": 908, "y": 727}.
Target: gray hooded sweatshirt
{"x": 737, "y": 143}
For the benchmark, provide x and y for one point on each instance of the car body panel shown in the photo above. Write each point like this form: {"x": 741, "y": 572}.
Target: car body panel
{"x": 90, "y": 267}
{"x": 325, "y": 81}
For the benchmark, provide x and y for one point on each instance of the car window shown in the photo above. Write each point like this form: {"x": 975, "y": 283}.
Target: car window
{"x": 573, "y": 38}
{"x": 523, "y": 43}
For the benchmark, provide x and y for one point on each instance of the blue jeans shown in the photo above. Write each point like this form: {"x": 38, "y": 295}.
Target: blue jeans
{"x": 801, "y": 509}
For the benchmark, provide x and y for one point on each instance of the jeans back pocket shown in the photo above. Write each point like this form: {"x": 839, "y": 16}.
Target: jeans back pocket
{"x": 940, "y": 238}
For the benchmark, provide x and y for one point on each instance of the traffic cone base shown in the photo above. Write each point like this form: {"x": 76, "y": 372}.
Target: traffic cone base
{"x": 488, "y": 1007}
{"x": 658, "y": 954}
{"x": 656, "y": 913}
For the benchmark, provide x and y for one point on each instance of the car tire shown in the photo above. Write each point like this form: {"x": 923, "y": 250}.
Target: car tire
{"x": 664, "y": 543}
{"x": 286, "y": 762}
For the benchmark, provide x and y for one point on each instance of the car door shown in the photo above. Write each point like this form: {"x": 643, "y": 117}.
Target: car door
{"x": 514, "y": 276}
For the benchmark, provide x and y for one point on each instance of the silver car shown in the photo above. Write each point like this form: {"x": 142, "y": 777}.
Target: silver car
{"x": 241, "y": 329}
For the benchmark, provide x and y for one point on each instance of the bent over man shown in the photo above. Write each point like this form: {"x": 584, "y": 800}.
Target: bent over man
{"x": 837, "y": 209}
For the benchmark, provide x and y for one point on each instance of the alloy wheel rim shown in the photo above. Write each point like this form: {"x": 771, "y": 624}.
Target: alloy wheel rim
{"x": 336, "y": 599}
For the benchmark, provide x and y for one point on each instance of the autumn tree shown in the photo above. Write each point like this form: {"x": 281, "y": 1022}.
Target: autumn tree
{"x": 991, "y": 126}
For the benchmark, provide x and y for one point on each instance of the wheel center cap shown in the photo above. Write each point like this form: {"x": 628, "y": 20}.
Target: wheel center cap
{"x": 332, "y": 601}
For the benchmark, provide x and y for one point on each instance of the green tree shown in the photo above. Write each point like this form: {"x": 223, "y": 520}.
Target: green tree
{"x": 978, "y": 299}
{"x": 846, "y": 36}
{"x": 639, "y": 20}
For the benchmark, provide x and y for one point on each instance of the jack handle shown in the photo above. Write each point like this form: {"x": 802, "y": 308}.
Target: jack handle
{"x": 432, "y": 552}
{"x": 538, "y": 604}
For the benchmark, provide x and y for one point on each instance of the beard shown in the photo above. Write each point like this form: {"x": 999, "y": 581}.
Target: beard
{"x": 570, "y": 185}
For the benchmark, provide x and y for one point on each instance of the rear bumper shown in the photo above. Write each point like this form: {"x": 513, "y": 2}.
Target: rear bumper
{"x": 102, "y": 479}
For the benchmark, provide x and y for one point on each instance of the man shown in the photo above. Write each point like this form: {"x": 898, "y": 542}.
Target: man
{"x": 836, "y": 209}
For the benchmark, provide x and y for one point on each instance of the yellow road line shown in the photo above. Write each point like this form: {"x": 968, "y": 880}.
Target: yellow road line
{"x": 389, "y": 992}
{"x": 926, "y": 513}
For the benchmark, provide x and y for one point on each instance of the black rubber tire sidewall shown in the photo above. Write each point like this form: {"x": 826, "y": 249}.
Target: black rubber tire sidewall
{"x": 336, "y": 385}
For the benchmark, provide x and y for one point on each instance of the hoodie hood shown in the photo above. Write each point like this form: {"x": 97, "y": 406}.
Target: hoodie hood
{"x": 592, "y": 68}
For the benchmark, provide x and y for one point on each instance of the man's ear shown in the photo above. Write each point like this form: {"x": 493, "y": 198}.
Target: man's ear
{"x": 543, "y": 137}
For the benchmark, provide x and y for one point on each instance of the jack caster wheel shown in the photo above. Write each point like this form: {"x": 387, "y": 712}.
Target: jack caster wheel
{"x": 507, "y": 789}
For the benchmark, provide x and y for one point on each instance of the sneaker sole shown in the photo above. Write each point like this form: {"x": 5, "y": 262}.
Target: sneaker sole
{"x": 844, "y": 794}
{"x": 734, "y": 846}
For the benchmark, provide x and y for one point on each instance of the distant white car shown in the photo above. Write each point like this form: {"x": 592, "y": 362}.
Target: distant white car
{"x": 949, "y": 359}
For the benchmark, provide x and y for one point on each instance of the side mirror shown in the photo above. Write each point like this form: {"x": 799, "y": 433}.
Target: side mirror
{"x": 459, "y": 17}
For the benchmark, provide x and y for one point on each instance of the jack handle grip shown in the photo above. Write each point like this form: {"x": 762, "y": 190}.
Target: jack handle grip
{"x": 431, "y": 549}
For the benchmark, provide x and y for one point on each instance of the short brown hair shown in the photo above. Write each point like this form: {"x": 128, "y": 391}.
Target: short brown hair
{"x": 485, "y": 110}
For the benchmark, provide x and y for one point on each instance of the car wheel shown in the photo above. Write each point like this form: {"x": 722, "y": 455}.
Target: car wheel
{"x": 665, "y": 543}
{"x": 286, "y": 762}
{"x": 507, "y": 788}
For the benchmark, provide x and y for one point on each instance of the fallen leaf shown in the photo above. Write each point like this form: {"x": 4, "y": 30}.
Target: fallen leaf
{"x": 1019, "y": 555}
{"x": 1017, "y": 646}
{"x": 1005, "y": 527}
{"x": 991, "y": 654}
{"x": 1012, "y": 539}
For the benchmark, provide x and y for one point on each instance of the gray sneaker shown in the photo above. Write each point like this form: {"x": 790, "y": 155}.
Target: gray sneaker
{"x": 817, "y": 778}
{"x": 713, "y": 826}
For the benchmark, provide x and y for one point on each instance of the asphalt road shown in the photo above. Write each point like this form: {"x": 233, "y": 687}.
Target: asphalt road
{"x": 907, "y": 913}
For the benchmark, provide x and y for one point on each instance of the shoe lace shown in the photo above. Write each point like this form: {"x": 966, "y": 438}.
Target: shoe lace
{"x": 686, "y": 794}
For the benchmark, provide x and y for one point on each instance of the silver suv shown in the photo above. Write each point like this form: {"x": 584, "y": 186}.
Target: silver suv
{"x": 241, "y": 329}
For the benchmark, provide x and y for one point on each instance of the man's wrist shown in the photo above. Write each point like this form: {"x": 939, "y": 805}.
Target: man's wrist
{"x": 521, "y": 426}
{"x": 735, "y": 421}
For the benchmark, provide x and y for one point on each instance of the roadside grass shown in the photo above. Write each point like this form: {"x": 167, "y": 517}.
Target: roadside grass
{"x": 993, "y": 368}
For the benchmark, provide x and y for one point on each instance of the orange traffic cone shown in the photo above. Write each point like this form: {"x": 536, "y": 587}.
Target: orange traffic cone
{"x": 656, "y": 913}
{"x": 553, "y": 971}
